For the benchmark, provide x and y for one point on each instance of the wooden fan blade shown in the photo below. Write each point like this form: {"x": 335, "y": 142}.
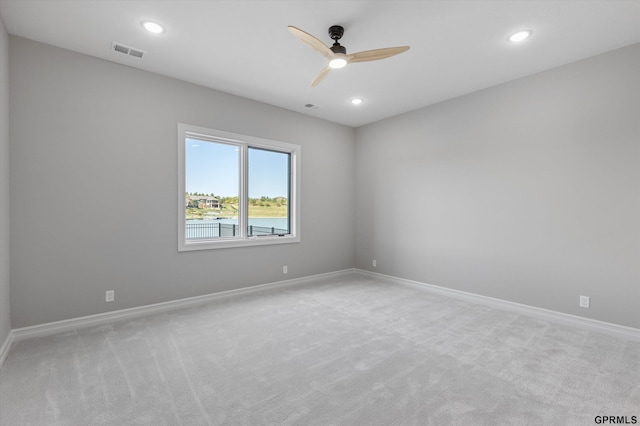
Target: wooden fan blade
{"x": 320, "y": 76}
{"x": 311, "y": 41}
{"x": 376, "y": 54}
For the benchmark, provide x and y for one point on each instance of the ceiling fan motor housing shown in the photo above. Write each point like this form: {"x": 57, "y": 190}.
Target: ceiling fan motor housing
{"x": 337, "y": 48}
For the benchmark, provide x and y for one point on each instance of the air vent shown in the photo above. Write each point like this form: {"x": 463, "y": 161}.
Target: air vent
{"x": 136, "y": 53}
{"x": 121, "y": 49}
{"x": 127, "y": 50}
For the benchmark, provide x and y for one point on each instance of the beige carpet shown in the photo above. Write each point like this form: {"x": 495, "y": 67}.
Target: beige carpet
{"x": 340, "y": 351}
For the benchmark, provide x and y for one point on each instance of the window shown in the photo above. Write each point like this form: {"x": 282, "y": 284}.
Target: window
{"x": 236, "y": 190}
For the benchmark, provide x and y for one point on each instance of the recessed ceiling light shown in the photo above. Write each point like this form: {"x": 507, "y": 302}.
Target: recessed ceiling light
{"x": 153, "y": 27}
{"x": 519, "y": 36}
{"x": 356, "y": 101}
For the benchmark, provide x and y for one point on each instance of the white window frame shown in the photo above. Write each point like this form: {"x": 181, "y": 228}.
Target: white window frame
{"x": 244, "y": 142}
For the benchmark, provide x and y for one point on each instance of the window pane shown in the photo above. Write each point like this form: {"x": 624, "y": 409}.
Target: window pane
{"x": 212, "y": 188}
{"x": 269, "y": 192}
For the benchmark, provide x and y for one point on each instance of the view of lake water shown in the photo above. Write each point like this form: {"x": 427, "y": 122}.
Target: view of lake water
{"x": 275, "y": 222}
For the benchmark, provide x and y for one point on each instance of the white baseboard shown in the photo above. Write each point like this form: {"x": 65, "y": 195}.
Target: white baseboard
{"x": 51, "y": 328}
{"x": 620, "y": 331}
{"x": 4, "y": 348}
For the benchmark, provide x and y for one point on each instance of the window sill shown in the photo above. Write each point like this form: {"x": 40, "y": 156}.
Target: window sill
{"x": 235, "y": 243}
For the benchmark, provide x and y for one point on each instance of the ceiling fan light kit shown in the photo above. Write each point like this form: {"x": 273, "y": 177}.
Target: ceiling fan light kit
{"x": 337, "y": 62}
{"x": 337, "y": 54}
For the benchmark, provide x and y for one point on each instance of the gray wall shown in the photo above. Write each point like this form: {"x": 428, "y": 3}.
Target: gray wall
{"x": 527, "y": 192}
{"x": 5, "y": 319}
{"x": 94, "y": 181}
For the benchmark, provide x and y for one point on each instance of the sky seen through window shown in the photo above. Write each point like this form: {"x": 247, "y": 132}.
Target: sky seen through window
{"x": 213, "y": 168}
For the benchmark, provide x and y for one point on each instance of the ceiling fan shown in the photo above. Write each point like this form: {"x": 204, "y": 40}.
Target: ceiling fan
{"x": 337, "y": 54}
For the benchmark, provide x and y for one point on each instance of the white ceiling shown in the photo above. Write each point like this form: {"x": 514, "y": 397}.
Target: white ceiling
{"x": 244, "y": 48}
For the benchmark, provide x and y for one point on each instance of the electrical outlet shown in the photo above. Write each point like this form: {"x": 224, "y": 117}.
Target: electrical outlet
{"x": 285, "y": 269}
{"x": 374, "y": 263}
{"x": 109, "y": 295}
{"x": 585, "y": 301}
